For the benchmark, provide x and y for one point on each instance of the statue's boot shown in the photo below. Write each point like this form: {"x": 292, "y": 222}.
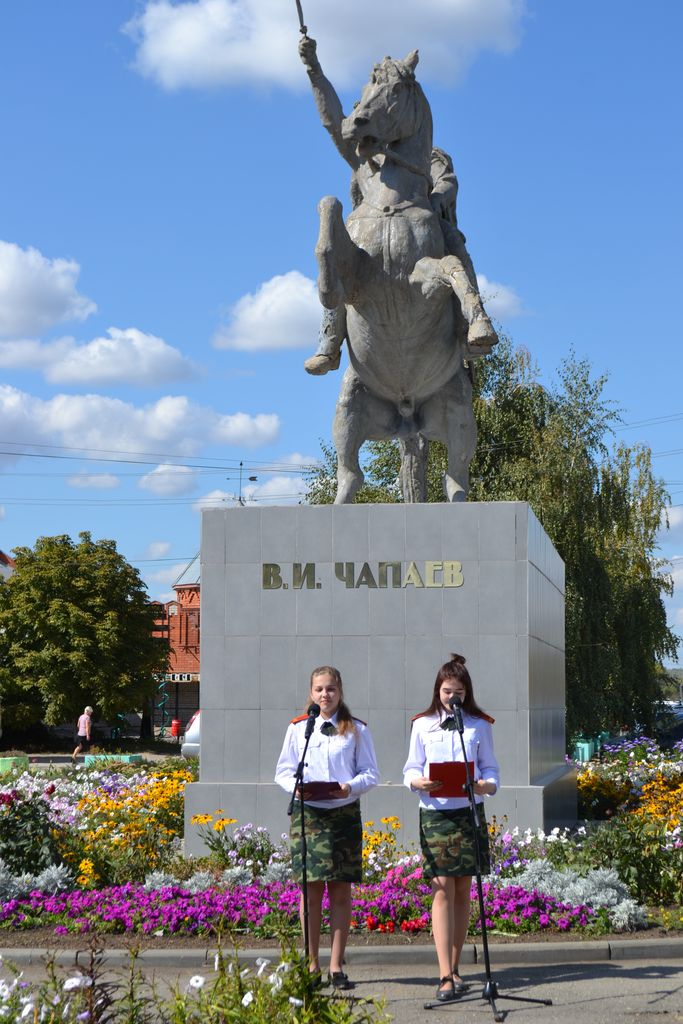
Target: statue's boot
{"x": 320, "y": 364}
{"x": 481, "y": 336}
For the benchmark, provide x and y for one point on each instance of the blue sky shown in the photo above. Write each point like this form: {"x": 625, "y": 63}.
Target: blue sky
{"x": 161, "y": 167}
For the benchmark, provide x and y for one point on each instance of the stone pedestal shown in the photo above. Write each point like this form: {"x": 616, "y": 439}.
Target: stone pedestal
{"x": 385, "y": 593}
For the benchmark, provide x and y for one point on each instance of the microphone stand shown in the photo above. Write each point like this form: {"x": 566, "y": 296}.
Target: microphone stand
{"x": 299, "y": 784}
{"x": 490, "y": 992}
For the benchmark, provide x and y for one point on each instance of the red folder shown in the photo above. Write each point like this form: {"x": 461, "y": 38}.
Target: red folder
{"x": 321, "y": 790}
{"x": 453, "y": 776}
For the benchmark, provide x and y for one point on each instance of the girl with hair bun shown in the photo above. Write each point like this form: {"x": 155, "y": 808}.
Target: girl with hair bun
{"x": 446, "y": 832}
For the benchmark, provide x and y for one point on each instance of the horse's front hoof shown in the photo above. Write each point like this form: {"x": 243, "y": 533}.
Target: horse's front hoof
{"x": 319, "y": 365}
{"x": 481, "y": 337}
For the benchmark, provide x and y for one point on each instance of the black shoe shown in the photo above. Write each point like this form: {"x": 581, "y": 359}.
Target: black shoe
{"x": 337, "y": 979}
{"x": 459, "y": 986}
{"x": 446, "y": 995}
{"x": 315, "y": 979}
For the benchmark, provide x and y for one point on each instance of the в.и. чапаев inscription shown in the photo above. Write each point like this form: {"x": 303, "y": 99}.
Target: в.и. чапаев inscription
{"x": 386, "y": 575}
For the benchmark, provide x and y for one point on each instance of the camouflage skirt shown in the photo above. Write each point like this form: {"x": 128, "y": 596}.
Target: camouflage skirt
{"x": 447, "y": 841}
{"x": 334, "y": 843}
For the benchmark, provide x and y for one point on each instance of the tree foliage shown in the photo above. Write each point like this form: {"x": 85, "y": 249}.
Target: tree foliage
{"x": 75, "y": 629}
{"x": 600, "y": 505}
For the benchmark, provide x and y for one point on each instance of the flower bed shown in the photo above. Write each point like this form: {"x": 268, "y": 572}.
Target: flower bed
{"x": 265, "y": 910}
{"x": 104, "y": 846}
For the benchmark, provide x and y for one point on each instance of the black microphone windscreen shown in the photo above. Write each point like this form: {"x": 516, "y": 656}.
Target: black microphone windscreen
{"x": 313, "y": 710}
{"x": 455, "y": 701}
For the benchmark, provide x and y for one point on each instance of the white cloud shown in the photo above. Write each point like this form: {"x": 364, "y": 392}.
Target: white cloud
{"x": 127, "y": 356}
{"x": 103, "y": 481}
{"x": 167, "y": 575}
{"x": 676, "y": 572}
{"x": 214, "y": 499}
{"x": 674, "y": 533}
{"x": 283, "y": 313}
{"x": 2, "y": 512}
{"x": 211, "y": 43}
{"x": 502, "y": 302}
{"x": 278, "y": 490}
{"x": 157, "y": 549}
{"x": 169, "y": 481}
{"x": 36, "y": 293}
{"x": 172, "y": 423}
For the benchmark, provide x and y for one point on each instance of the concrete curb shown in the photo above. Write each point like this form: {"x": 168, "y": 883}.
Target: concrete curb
{"x": 500, "y": 953}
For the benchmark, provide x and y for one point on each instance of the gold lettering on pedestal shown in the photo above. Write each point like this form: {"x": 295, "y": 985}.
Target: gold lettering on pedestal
{"x": 365, "y": 577}
{"x": 302, "y": 576}
{"x": 272, "y": 580}
{"x": 412, "y": 576}
{"x": 344, "y": 573}
{"x": 395, "y": 574}
{"x": 452, "y": 574}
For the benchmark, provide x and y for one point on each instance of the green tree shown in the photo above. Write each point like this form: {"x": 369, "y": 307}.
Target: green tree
{"x": 601, "y": 506}
{"x": 75, "y": 629}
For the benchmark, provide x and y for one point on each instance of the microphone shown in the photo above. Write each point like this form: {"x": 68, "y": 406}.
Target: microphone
{"x": 313, "y": 712}
{"x": 455, "y": 703}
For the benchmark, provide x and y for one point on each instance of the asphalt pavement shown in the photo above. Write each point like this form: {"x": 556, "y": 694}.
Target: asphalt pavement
{"x": 631, "y": 981}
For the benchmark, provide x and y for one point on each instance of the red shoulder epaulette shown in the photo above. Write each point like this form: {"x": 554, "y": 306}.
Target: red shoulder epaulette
{"x": 415, "y": 717}
{"x": 487, "y": 718}
{"x": 359, "y": 720}
{"x": 301, "y": 718}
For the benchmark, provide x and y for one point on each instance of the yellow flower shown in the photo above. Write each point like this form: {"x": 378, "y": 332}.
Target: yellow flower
{"x": 201, "y": 819}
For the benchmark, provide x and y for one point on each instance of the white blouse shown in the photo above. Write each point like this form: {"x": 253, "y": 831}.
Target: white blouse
{"x": 345, "y": 759}
{"x": 429, "y": 743}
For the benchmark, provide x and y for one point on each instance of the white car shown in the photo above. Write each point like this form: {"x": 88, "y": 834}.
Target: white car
{"x": 190, "y": 746}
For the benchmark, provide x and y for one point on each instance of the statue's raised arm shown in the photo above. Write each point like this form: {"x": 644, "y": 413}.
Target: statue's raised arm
{"x": 326, "y": 100}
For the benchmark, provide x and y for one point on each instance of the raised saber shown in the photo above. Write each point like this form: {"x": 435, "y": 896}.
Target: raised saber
{"x": 302, "y": 27}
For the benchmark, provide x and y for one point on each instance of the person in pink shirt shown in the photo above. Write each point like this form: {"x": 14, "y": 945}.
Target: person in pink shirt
{"x": 83, "y": 733}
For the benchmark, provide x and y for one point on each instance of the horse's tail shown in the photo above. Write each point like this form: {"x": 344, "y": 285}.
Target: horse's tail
{"x": 413, "y": 474}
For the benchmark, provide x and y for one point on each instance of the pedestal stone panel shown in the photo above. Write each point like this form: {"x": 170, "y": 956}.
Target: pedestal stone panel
{"x": 385, "y": 593}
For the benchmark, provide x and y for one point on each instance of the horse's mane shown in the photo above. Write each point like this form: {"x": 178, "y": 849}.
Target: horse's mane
{"x": 389, "y": 70}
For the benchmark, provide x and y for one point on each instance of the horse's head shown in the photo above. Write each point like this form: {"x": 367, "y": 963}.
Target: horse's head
{"x": 392, "y": 108}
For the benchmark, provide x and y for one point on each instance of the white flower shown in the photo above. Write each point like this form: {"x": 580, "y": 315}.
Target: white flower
{"x": 275, "y": 982}
{"x": 27, "y": 1009}
{"x": 78, "y": 981}
{"x": 261, "y": 963}
{"x": 216, "y": 961}
{"x": 196, "y": 981}
{"x": 248, "y": 999}
{"x": 296, "y": 1002}
{"x": 244, "y": 973}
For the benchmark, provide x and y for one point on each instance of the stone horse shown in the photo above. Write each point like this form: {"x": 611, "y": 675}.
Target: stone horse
{"x": 388, "y": 266}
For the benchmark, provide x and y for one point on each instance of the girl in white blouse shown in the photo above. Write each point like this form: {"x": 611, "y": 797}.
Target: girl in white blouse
{"x": 446, "y": 833}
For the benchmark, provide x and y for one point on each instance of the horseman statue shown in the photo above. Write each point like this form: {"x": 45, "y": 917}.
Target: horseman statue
{"x": 397, "y": 284}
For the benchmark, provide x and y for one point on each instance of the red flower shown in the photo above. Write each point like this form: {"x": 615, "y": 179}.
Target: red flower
{"x": 371, "y": 923}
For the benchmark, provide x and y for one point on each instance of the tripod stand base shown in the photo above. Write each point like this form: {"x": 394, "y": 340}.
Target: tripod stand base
{"x": 489, "y": 994}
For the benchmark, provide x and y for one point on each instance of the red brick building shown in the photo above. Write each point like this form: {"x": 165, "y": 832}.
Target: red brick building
{"x": 7, "y": 565}
{"x": 178, "y": 623}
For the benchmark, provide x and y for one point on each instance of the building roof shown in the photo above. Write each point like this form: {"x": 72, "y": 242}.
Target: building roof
{"x": 7, "y": 565}
{"x": 191, "y": 574}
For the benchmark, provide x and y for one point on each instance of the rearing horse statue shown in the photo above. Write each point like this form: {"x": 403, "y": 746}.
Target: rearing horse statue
{"x": 412, "y": 309}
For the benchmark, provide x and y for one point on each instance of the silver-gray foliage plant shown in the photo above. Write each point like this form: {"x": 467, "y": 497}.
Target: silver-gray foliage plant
{"x": 277, "y": 871}
{"x": 199, "y": 881}
{"x": 600, "y": 887}
{"x": 159, "y": 880}
{"x": 237, "y": 876}
{"x": 51, "y": 879}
